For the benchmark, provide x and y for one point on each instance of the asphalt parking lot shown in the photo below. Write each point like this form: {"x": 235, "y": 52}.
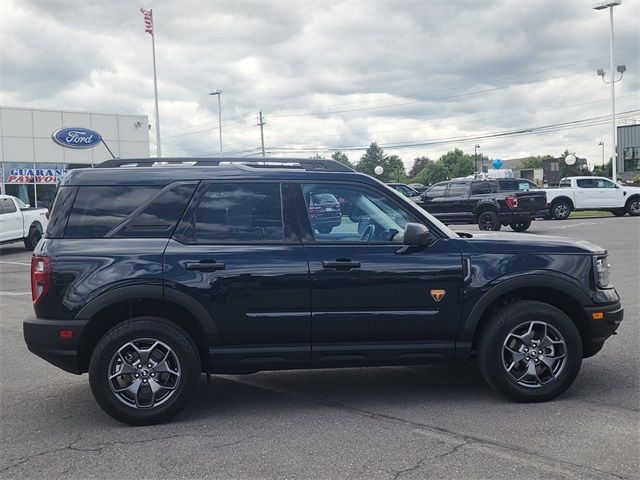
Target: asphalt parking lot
{"x": 438, "y": 421}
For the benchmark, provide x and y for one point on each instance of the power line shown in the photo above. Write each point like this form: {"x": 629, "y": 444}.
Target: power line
{"x": 422, "y": 143}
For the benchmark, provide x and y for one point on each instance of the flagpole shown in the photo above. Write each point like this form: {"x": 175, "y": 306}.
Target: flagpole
{"x": 155, "y": 88}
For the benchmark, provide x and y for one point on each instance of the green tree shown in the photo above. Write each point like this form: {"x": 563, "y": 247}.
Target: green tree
{"x": 418, "y": 165}
{"x": 342, "y": 158}
{"x": 570, "y": 170}
{"x": 374, "y": 156}
{"x": 531, "y": 162}
{"x": 395, "y": 165}
{"x": 458, "y": 163}
{"x": 603, "y": 171}
{"x": 434, "y": 172}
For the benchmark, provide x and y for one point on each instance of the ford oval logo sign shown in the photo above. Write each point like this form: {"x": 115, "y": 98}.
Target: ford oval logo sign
{"x": 76, "y": 137}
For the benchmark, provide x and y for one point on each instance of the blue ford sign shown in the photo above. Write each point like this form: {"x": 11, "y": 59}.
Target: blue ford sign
{"x": 76, "y": 137}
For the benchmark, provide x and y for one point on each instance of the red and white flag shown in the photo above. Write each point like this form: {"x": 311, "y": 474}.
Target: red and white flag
{"x": 148, "y": 20}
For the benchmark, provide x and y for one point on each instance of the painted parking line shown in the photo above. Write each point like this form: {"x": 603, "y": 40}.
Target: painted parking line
{"x": 570, "y": 225}
{"x": 13, "y": 294}
{"x": 15, "y": 263}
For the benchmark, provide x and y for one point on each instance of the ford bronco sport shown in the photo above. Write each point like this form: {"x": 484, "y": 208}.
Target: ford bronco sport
{"x": 149, "y": 275}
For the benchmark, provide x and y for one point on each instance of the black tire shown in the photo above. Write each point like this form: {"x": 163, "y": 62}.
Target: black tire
{"x": 489, "y": 221}
{"x": 619, "y": 212}
{"x": 495, "y": 333}
{"x": 521, "y": 226}
{"x": 560, "y": 210}
{"x": 633, "y": 206}
{"x": 325, "y": 230}
{"x": 31, "y": 240}
{"x": 156, "y": 329}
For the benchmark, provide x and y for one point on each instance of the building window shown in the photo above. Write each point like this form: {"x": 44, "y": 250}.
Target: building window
{"x": 553, "y": 166}
{"x": 631, "y": 156}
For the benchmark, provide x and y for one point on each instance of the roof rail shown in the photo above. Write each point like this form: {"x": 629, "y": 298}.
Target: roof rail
{"x": 304, "y": 163}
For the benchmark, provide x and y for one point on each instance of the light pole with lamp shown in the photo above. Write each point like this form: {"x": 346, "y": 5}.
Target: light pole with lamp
{"x": 621, "y": 68}
{"x": 475, "y": 156}
{"x": 219, "y": 94}
{"x": 601, "y": 143}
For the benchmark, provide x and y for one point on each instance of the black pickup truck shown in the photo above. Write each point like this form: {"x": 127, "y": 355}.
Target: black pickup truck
{"x": 482, "y": 202}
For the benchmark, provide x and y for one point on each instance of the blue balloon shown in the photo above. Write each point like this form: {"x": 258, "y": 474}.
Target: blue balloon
{"x": 497, "y": 163}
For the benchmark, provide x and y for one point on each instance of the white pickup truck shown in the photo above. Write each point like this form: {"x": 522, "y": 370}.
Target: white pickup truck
{"x": 592, "y": 193}
{"x": 20, "y": 222}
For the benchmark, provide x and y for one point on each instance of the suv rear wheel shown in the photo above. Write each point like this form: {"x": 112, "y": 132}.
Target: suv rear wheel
{"x": 530, "y": 351}
{"x": 144, "y": 371}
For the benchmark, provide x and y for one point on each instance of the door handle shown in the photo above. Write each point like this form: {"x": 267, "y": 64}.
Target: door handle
{"x": 340, "y": 264}
{"x": 205, "y": 265}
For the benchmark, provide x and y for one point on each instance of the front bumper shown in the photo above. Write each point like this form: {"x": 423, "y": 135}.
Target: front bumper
{"x": 604, "y": 321}
{"x": 43, "y": 338}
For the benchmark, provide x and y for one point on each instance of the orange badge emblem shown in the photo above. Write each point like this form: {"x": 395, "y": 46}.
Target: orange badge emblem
{"x": 438, "y": 294}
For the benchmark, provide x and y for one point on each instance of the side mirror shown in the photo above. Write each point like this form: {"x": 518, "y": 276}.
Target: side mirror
{"x": 417, "y": 235}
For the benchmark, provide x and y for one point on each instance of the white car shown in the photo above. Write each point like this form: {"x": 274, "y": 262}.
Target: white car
{"x": 20, "y": 222}
{"x": 592, "y": 193}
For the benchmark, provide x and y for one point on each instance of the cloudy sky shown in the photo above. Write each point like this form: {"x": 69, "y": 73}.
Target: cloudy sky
{"x": 419, "y": 78}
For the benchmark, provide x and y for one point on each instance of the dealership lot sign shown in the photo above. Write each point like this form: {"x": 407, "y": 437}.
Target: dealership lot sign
{"x": 35, "y": 175}
{"x": 76, "y": 137}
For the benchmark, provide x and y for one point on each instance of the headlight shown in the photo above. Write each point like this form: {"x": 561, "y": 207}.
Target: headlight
{"x": 601, "y": 271}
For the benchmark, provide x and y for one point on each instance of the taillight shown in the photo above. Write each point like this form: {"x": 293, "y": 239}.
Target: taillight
{"x": 512, "y": 202}
{"x": 40, "y": 276}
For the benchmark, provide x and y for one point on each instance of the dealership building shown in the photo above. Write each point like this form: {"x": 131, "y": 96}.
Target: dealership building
{"x": 31, "y": 162}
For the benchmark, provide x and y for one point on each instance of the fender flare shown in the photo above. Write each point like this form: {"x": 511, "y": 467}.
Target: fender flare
{"x": 155, "y": 292}
{"x": 508, "y": 284}
{"x": 486, "y": 205}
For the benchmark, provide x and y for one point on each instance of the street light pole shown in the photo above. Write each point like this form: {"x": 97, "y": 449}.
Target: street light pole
{"x": 219, "y": 94}
{"x": 602, "y": 145}
{"x": 475, "y": 156}
{"x": 601, "y": 6}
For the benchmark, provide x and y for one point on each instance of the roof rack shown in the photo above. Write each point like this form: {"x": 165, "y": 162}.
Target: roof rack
{"x": 303, "y": 163}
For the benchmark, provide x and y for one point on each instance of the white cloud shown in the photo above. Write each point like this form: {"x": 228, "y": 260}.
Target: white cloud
{"x": 533, "y": 61}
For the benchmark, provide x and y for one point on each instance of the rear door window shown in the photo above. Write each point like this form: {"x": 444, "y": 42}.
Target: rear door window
{"x": 457, "y": 189}
{"x": 585, "y": 183}
{"x": 233, "y": 212}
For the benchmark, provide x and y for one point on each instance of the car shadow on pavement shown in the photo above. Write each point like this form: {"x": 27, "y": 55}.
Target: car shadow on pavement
{"x": 371, "y": 387}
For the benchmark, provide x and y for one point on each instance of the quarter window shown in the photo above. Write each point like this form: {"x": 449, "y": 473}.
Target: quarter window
{"x": 350, "y": 213}
{"x": 236, "y": 213}
{"x": 97, "y": 210}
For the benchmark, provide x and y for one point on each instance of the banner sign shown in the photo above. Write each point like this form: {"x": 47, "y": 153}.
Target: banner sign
{"x": 35, "y": 175}
{"x": 76, "y": 137}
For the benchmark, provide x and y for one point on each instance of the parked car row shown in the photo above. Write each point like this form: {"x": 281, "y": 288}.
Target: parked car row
{"x": 492, "y": 203}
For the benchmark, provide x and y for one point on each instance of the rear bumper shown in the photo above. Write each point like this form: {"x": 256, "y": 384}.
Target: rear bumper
{"x": 43, "y": 338}
{"x": 604, "y": 321}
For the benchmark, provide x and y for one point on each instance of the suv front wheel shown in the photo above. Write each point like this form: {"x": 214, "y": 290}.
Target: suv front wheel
{"x": 530, "y": 351}
{"x": 144, "y": 371}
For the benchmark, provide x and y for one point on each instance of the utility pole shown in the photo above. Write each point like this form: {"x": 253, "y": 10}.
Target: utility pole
{"x": 261, "y": 124}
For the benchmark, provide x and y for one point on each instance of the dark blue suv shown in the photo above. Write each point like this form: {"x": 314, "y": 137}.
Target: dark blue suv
{"x": 150, "y": 274}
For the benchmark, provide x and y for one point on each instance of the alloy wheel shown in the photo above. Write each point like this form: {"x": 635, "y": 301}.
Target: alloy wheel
{"x": 144, "y": 373}
{"x": 634, "y": 208}
{"x": 561, "y": 210}
{"x": 534, "y": 354}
